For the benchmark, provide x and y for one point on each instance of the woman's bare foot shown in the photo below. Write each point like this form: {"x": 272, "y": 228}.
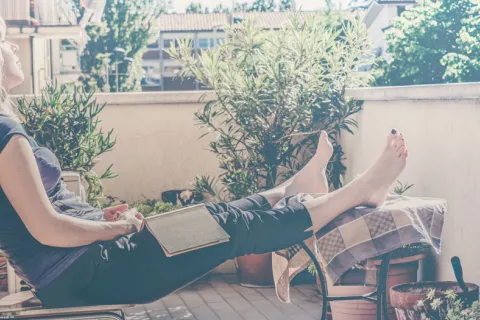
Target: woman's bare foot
{"x": 387, "y": 168}
{"x": 312, "y": 178}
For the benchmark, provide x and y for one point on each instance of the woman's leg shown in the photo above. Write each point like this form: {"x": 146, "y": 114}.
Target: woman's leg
{"x": 370, "y": 188}
{"x": 138, "y": 271}
{"x": 311, "y": 179}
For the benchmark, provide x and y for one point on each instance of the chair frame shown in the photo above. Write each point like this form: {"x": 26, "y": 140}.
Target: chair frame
{"x": 84, "y": 313}
{"x": 379, "y": 296}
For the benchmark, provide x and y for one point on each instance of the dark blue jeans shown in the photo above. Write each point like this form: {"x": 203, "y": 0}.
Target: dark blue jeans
{"x": 134, "y": 269}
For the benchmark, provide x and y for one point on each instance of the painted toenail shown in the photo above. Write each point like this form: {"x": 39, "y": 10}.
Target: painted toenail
{"x": 394, "y": 131}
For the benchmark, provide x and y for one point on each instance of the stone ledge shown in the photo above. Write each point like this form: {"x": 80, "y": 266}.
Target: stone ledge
{"x": 451, "y": 91}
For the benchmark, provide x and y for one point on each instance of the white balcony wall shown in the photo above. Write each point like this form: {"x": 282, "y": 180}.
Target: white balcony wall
{"x": 158, "y": 146}
{"x": 441, "y": 124}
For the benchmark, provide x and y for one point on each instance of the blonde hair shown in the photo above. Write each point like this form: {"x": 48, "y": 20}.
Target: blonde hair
{"x": 5, "y": 104}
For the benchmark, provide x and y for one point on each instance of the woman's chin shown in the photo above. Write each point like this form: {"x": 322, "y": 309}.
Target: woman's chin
{"x": 14, "y": 81}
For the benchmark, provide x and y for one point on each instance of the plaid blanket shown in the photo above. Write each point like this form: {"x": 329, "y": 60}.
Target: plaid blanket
{"x": 358, "y": 235}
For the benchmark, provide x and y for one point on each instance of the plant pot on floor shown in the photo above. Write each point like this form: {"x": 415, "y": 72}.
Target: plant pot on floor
{"x": 255, "y": 270}
{"x": 405, "y": 298}
{"x": 3, "y": 274}
{"x": 402, "y": 270}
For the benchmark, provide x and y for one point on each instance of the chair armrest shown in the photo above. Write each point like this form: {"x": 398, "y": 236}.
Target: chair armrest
{"x": 74, "y": 184}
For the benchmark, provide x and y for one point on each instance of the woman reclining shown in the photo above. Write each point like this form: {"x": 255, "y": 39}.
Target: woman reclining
{"x": 84, "y": 256}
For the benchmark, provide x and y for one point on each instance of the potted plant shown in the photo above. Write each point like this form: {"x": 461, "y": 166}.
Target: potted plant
{"x": 3, "y": 273}
{"x": 273, "y": 92}
{"x": 147, "y": 207}
{"x": 435, "y": 301}
{"x": 66, "y": 121}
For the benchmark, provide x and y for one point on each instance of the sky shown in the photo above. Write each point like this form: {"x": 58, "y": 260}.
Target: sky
{"x": 180, "y": 5}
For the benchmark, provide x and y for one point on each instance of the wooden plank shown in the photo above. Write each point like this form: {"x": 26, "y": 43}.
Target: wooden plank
{"x": 311, "y": 292}
{"x": 304, "y": 302}
{"x": 200, "y": 309}
{"x": 257, "y": 300}
{"x": 221, "y": 308}
{"x": 137, "y": 313}
{"x": 176, "y": 307}
{"x": 16, "y": 298}
{"x": 235, "y": 300}
{"x": 291, "y": 310}
{"x": 157, "y": 310}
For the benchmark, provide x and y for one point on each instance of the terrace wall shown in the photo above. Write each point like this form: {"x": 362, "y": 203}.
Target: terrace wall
{"x": 441, "y": 124}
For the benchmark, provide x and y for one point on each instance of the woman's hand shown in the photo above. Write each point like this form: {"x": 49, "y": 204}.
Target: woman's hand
{"x": 132, "y": 218}
{"x": 111, "y": 214}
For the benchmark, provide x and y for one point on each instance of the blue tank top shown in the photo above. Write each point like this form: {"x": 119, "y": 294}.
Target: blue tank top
{"x": 34, "y": 262}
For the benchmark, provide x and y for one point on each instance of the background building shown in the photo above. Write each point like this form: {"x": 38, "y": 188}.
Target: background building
{"x": 208, "y": 29}
{"x": 205, "y": 31}
{"x": 378, "y": 18}
{"x": 45, "y": 31}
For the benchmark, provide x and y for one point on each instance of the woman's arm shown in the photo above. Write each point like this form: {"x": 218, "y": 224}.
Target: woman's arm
{"x": 20, "y": 180}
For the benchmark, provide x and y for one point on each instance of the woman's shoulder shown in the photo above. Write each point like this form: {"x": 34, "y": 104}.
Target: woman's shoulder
{"x": 8, "y": 128}
{"x": 8, "y": 124}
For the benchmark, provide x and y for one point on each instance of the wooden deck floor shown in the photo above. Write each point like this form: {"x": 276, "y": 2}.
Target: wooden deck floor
{"x": 221, "y": 297}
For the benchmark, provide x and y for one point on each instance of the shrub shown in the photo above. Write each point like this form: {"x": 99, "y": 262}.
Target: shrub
{"x": 151, "y": 207}
{"x": 435, "y": 41}
{"x": 147, "y": 207}
{"x": 130, "y": 25}
{"x": 274, "y": 91}
{"x": 67, "y": 123}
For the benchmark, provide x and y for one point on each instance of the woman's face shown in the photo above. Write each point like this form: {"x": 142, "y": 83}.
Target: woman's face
{"x": 12, "y": 69}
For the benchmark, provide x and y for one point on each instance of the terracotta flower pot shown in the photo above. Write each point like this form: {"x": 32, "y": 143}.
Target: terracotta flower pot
{"x": 255, "y": 270}
{"x": 3, "y": 274}
{"x": 402, "y": 270}
{"x": 406, "y": 296}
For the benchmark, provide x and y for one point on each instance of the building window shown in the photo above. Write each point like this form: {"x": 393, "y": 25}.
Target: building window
{"x": 153, "y": 52}
{"x": 172, "y": 69}
{"x": 153, "y": 45}
{"x": 152, "y": 76}
{"x": 400, "y": 9}
{"x": 156, "y": 73}
{"x": 152, "y": 55}
{"x": 170, "y": 43}
{"x": 69, "y": 57}
{"x": 204, "y": 43}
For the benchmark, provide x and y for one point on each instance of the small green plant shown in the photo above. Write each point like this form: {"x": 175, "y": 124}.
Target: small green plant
{"x": 447, "y": 306}
{"x": 147, "y": 207}
{"x": 207, "y": 186}
{"x": 401, "y": 188}
{"x": 150, "y": 207}
{"x": 66, "y": 121}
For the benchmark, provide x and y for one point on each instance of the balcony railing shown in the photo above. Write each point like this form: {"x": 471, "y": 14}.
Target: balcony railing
{"x": 39, "y": 12}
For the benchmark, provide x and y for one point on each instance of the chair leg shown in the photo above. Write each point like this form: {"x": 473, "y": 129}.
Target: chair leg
{"x": 95, "y": 316}
{"x": 323, "y": 283}
{"x": 382, "y": 304}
